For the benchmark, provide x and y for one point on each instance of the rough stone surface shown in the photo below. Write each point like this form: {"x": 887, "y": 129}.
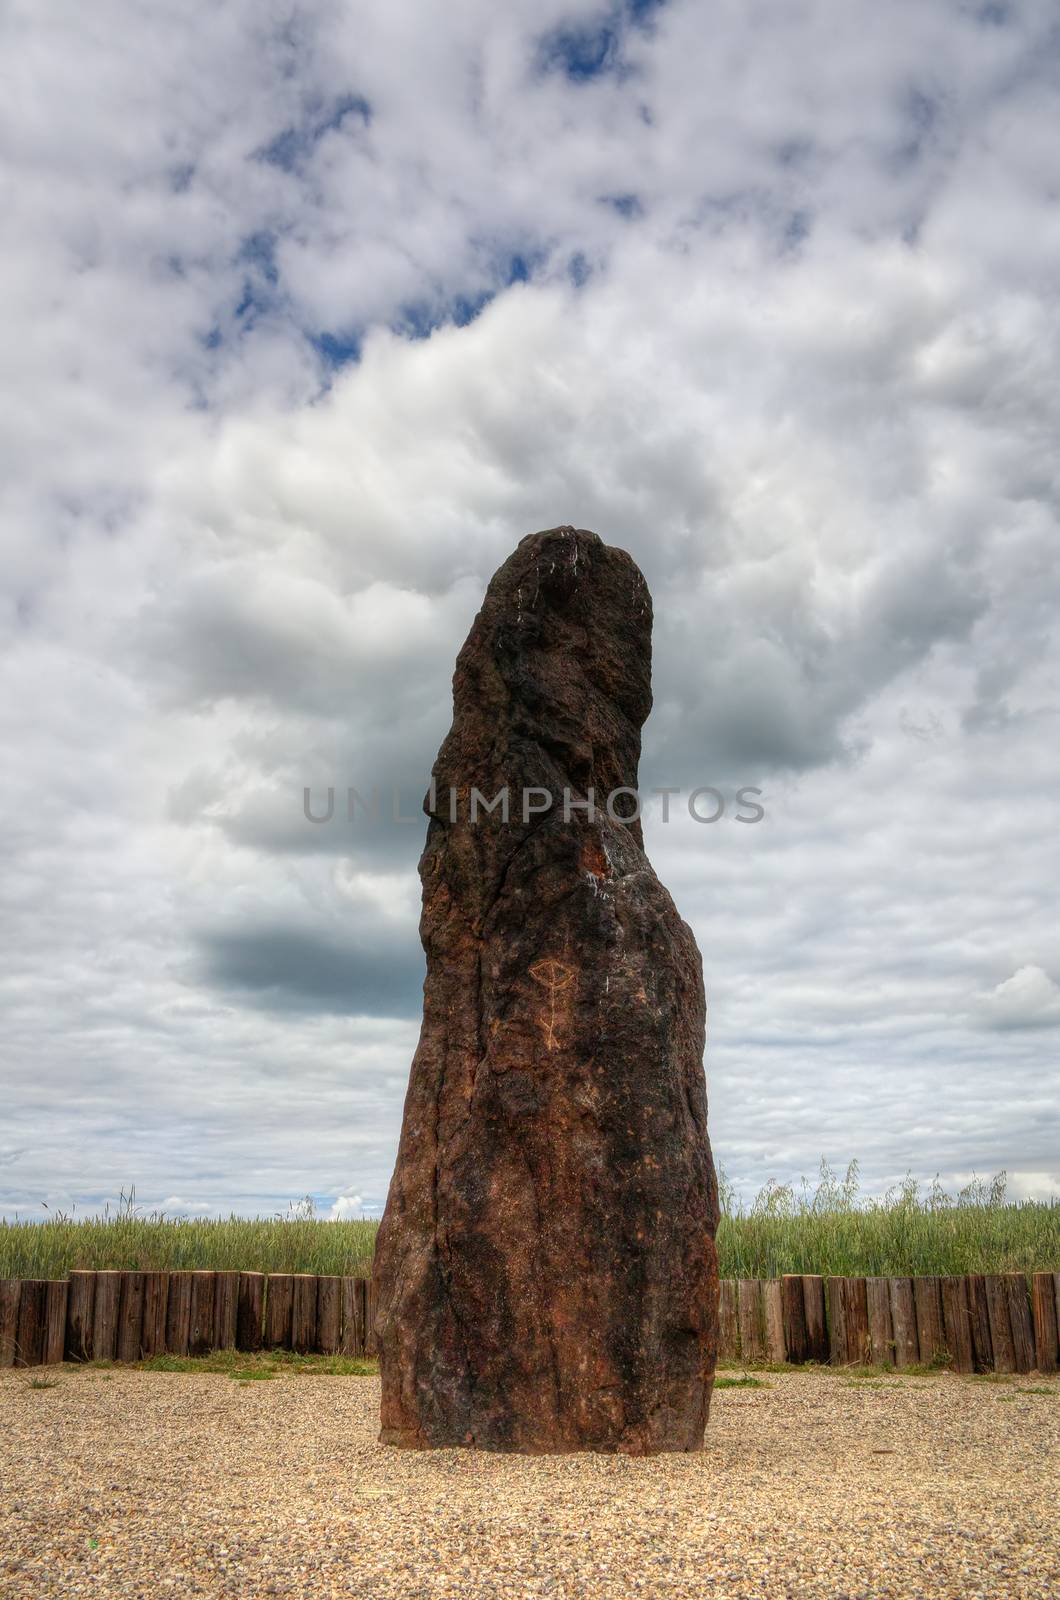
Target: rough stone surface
{"x": 545, "y": 1271}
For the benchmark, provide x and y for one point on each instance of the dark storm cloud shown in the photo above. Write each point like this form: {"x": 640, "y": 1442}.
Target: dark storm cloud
{"x": 286, "y": 969}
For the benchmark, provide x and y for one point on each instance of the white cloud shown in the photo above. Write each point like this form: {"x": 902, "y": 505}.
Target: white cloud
{"x": 347, "y": 1206}
{"x": 173, "y": 1205}
{"x": 1034, "y": 1186}
{"x": 1029, "y": 999}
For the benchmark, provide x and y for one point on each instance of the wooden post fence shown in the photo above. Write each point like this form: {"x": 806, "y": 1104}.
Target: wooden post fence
{"x": 837, "y": 1322}
{"x": 329, "y": 1315}
{"x": 201, "y": 1315}
{"x": 130, "y": 1316}
{"x": 793, "y": 1303}
{"x": 993, "y": 1322}
{"x": 816, "y": 1319}
{"x": 225, "y": 1310}
{"x": 1003, "y": 1358}
{"x": 353, "y": 1316}
{"x": 178, "y": 1314}
{"x": 979, "y": 1320}
{"x": 29, "y": 1345}
{"x": 250, "y": 1312}
{"x": 80, "y": 1305}
{"x": 55, "y": 1310}
{"x": 749, "y": 1311}
{"x": 1046, "y": 1343}
{"x": 881, "y": 1328}
{"x": 728, "y": 1321}
{"x": 105, "y": 1316}
{"x": 156, "y": 1304}
{"x": 931, "y": 1337}
{"x": 279, "y": 1293}
{"x": 773, "y": 1317}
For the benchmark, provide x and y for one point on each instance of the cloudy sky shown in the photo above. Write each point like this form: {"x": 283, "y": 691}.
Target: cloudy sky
{"x": 312, "y": 311}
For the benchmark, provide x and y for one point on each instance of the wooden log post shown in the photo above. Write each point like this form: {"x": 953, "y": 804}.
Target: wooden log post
{"x": 793, "y": 1308}
{"x": 903, "y": 1322}
{"x": 881, "y": 1332}
{"x": 773, "y": 1317}
{"x": 371, "y": 1346}
{"x": 105, "y": 1316}
{"x": 749, "y": 1314}
{"x": 329, "y": 1315}
{"x": 728, "y": 1321}
{"x": 855, "y": 1295}
{"x": 279, "y": 1294}
{"x": 178, "y": 1314}
{"x": 225, "y": 1310}
{"x": 10, "y": 1294}
{"x": 957, "y": 1323}
{"x": 1043, "y": 1303}
{"x": 130, "y": 1316}
{"x": 29, "y": 1341}
{"x": 250, "y": 1310}
{"x": 353, "y": 1316}
{"x": 1019, "y": 1315}
{"x": 837, "y": 1322}
{"x": 816, "y": 1318}
{"x": 200, "y": 1324}
{"x": 156, "y": 1301}
{"x": 1000, "y": 1327}
{"x": 930, "y": 1333}
{"x": 979, "y": 1320}
{"x": 55, "y": 1302}
{"x": 80, "y": 1313}
{"x": 304, "y": 1313}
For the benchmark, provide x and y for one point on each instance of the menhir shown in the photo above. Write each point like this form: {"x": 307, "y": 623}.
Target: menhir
{"x": 545, "y": 1273}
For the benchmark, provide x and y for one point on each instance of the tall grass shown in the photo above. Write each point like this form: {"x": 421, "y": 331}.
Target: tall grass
{"x": 829, "y": 1228}
{"x": 128, "y": 1240}
{"x": 912, "y": 1231}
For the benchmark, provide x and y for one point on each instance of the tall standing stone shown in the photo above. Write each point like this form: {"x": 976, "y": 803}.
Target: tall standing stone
{"x": 545, "y": 1272}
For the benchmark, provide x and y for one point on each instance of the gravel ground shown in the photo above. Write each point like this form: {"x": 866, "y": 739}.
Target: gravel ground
{"x": 129, "y": 1483}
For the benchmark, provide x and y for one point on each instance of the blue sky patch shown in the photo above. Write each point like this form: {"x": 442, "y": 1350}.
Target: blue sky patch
{"x": 289, "y": 148}
{"x": 583, "y": 51}
{"x": 336, "y": 349}
{"x": 580, "y": 53}
{"x": 180, "y": 177}
{"x": 418, "y": 319}
{"x": 258, "y": 255}
{"x": 627, "y": 205}
{"x": 797, "y": 228}
{"x": 641, "y": 11}
{"x": 922, "y": 112}
{"x": 994, "y": 15}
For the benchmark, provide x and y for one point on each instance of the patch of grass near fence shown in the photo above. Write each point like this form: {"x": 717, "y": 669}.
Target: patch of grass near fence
{"x": 828, "y": 1227}
{"x": 246, "y": 1367}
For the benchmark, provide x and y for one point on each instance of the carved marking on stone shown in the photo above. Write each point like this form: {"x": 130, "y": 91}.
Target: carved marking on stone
{"x": 553, "y": 976}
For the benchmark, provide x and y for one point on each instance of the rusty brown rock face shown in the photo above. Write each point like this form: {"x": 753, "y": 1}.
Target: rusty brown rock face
{"x": 545, "y": 1271}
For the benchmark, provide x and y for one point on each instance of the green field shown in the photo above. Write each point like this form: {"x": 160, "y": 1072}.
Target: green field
{"x": 828, "y": 1228}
